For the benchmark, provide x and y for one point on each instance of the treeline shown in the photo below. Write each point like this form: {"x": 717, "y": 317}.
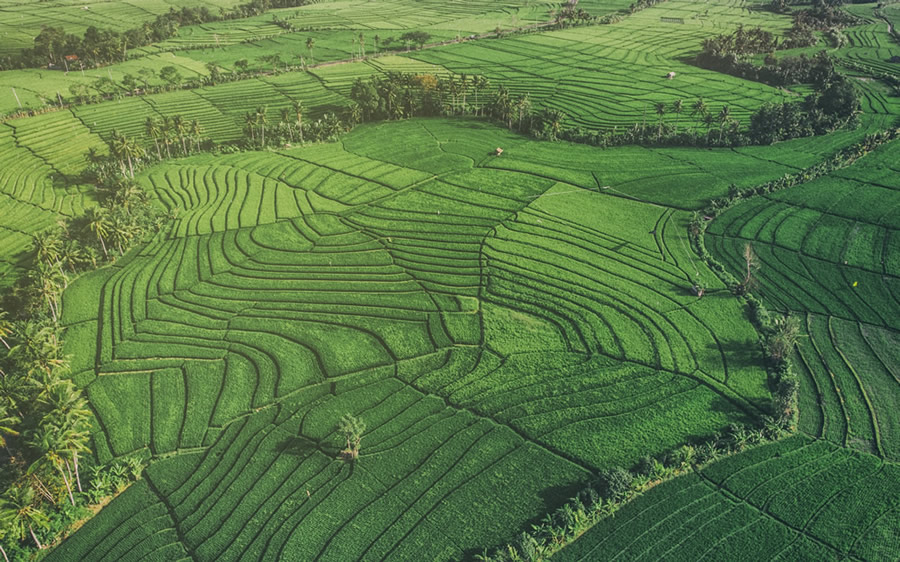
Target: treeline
{"x": 105, "y": 46}
{"x": 47, "y": 472}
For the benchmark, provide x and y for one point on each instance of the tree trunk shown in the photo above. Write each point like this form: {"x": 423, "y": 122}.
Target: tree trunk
{"x": 36, "y": 541}
{"x": 77, "y": 476}
{"x": 5, "y": 557}
{"x": 68, "y": 487}
{"x": 130, "y": 166}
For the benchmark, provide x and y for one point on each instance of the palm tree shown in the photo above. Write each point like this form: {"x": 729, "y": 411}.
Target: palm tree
{"x": 286, "y": 118}
{"x": 464, "y": 86}
{"x": 250, "y": 124}
{"x": 552, "y": 120}
{"x": 121, "y": 232}
{"x": 152, "y": 128}
{"x": 98, "y": 223}
{"x": 45, "y": 440}
{"x": 310, "y": 45}
{"x": 180, "y": 128}
{"x": 523, "y": 107}
{"x": 166, "y": 133}
{"x": 362, "y": 46}
{"x": 297, "y": 106}
{"x": 125, "y": 148}
{"x": 72, "y": 255}
{"x": 699, "y": 108}
{"x": 17, "y": 512}
{"x": 49, "y": 281}
{"x": 480, "y": 83}
{"x": 724, "y": 116}
{"x": 660, "y": 112}
{"x": 262, "y": 121}
{"x": 708, "y": 120}
{"x": 377, "y": 40}
{"x": 47, "y": 246}
{"x": 677, "y": 108}
{"x": 196, "y": 131}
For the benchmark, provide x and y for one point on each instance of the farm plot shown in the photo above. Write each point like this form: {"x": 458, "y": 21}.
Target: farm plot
{"x": 797, "y": 499}
{"x": 21, "y": 22}
{"x": 300, "y": 285}
{"x": 607, "y": 76}
{"x": 828, "y": 246}
{"x": 59, "y": 139}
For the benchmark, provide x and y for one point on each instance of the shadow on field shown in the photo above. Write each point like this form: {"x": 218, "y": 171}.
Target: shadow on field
{"x": 740, "y": 354}
{"x": 553, "y": 497}
{"x": 299, "y": 446}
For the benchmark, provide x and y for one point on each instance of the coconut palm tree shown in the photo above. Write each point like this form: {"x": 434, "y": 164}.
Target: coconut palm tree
{"x": 262, "y": 121}
{"x": 98, "y": 223}
{"x": 677, "y": 108}
{"x": 18, "y": 513}
{"x": 660, "y": 112}
{"x": 179, "y": 126}
{"x": 250, "y": 125}
{"x": 699, "y": 109}
{"x": 297, "y": 106}
{"x": 480, "y": 83}
{"x": 724, "y": 117}
{"x": 47, "y": 246}
{"x": 152, "y": 129}
{"x": 286, "y": 118}
{"x": 45, "y": 440}
{"x": 552, "y": 122}
{"x": 196, "y": 131}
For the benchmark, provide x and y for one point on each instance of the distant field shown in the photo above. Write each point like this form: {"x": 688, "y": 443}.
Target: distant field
{"x": 21, "y": 20}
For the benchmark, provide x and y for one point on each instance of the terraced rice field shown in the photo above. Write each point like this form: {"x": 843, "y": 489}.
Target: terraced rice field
{"x": 826, "y": 254}
{"x": 21, "y": 21}
{"x": 608, "y": 76}
{"x": 800, "y": 499}
{"x": 828, "y": 251}
{"x": 506, "y": 327}
{"x": 468, "y": 292}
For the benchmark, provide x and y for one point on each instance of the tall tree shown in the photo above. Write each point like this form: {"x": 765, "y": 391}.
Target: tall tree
{"x": 152, "y": 130}
{"x": 98, "y": 223}
{"x": 660, "y": 112}
{"x": 18, "y": 513}
{"x": 310, "y": 46}
{"x": 724, "y": 117}
{"x": 297, "y": 106}
{"x": 351, "y": 429}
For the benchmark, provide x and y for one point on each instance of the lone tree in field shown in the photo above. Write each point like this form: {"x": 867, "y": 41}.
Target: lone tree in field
{"x": 751, "y": 263}
{"x": 310, "y": 46}
{"x": 352, "y": 428}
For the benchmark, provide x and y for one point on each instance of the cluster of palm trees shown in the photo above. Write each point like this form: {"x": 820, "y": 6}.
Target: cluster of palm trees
{"x": 174, "y": 135}
{"x": 398, "y": 95}
{"x": 44, "y": 419}
{"x": 702, "y": 114}
{"x": 44, "y": 426}
{"x": 261, "y": 129}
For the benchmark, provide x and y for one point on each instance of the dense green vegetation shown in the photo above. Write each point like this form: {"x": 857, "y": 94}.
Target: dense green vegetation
{"x": 328, "y": 280}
